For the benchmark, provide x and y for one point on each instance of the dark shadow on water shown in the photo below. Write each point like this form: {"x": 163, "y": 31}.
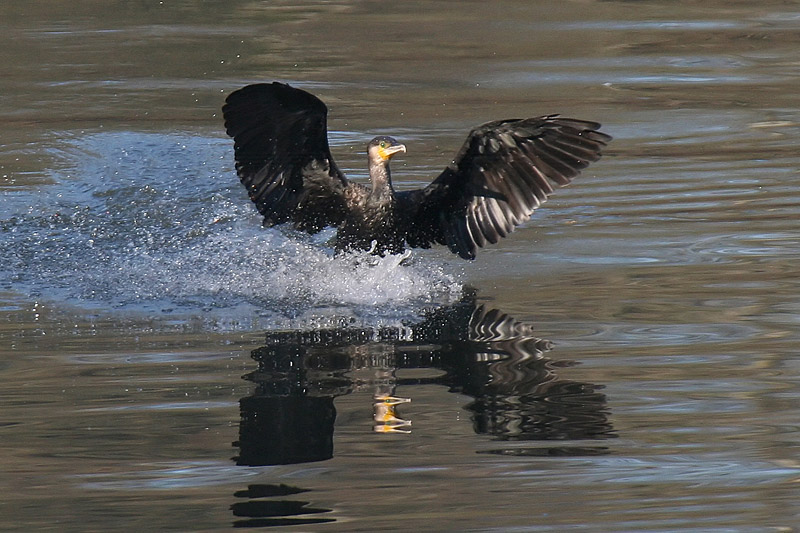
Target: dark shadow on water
{"x": 473, "y": 350}
{"x": 269, "y": 513}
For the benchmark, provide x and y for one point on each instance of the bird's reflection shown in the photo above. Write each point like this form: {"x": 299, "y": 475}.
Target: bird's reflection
{"x": 480, "y": 352}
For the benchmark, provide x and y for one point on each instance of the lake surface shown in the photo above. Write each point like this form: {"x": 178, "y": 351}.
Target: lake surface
{"x": 627, "y": 361}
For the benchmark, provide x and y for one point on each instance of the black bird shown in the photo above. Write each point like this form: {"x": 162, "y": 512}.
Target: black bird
{"x": 502, "y": 173}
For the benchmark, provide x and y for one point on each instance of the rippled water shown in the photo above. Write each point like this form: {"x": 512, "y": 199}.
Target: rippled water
{"x": 625, "y": 362}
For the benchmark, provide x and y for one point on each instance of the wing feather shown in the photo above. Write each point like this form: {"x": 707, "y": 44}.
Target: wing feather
{"x": 282, "y": 155}
{"x": 504, "y": 171}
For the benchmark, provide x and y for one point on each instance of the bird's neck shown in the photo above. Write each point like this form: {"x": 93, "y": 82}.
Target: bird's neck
{"x": 381, "y": 182}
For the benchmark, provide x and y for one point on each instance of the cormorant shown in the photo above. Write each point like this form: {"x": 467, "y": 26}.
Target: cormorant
{"x": 502, "y": 173}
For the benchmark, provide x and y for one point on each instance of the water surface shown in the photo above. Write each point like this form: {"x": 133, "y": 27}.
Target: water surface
{"x": 624, "y": 362}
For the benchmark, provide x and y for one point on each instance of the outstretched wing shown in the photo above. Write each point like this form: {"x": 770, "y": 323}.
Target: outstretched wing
{"x": 282, "y": 155}
{"x": 503, "y": 172}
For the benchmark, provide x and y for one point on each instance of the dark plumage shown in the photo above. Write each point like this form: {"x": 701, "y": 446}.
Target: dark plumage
{"x": 502, "y": 173}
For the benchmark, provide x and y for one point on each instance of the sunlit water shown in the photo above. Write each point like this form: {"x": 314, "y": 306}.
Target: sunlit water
{"x": 136, "y": 225}
{"x": 625, "y": 362}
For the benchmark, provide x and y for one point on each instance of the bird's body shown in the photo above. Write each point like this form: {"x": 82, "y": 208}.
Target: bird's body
{"x": 502, "y": 173}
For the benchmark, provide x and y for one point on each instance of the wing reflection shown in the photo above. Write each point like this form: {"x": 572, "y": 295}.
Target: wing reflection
{"x": 518, "y": 395}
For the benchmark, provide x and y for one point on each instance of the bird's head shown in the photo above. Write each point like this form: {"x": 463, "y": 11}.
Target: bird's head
{"x": 382, "y": 149}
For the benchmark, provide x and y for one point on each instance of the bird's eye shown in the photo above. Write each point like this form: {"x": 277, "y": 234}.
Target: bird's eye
{"x": 383, "y": 144}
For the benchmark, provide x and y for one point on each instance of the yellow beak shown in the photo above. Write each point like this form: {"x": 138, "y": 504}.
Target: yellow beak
{"x": 387, "y": 153}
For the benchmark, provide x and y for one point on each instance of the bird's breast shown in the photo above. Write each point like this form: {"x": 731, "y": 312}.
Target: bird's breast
{"x": 372, "y": 222}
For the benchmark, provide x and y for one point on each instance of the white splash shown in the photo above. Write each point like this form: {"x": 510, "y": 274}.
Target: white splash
{"x": 146, "y": 228}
